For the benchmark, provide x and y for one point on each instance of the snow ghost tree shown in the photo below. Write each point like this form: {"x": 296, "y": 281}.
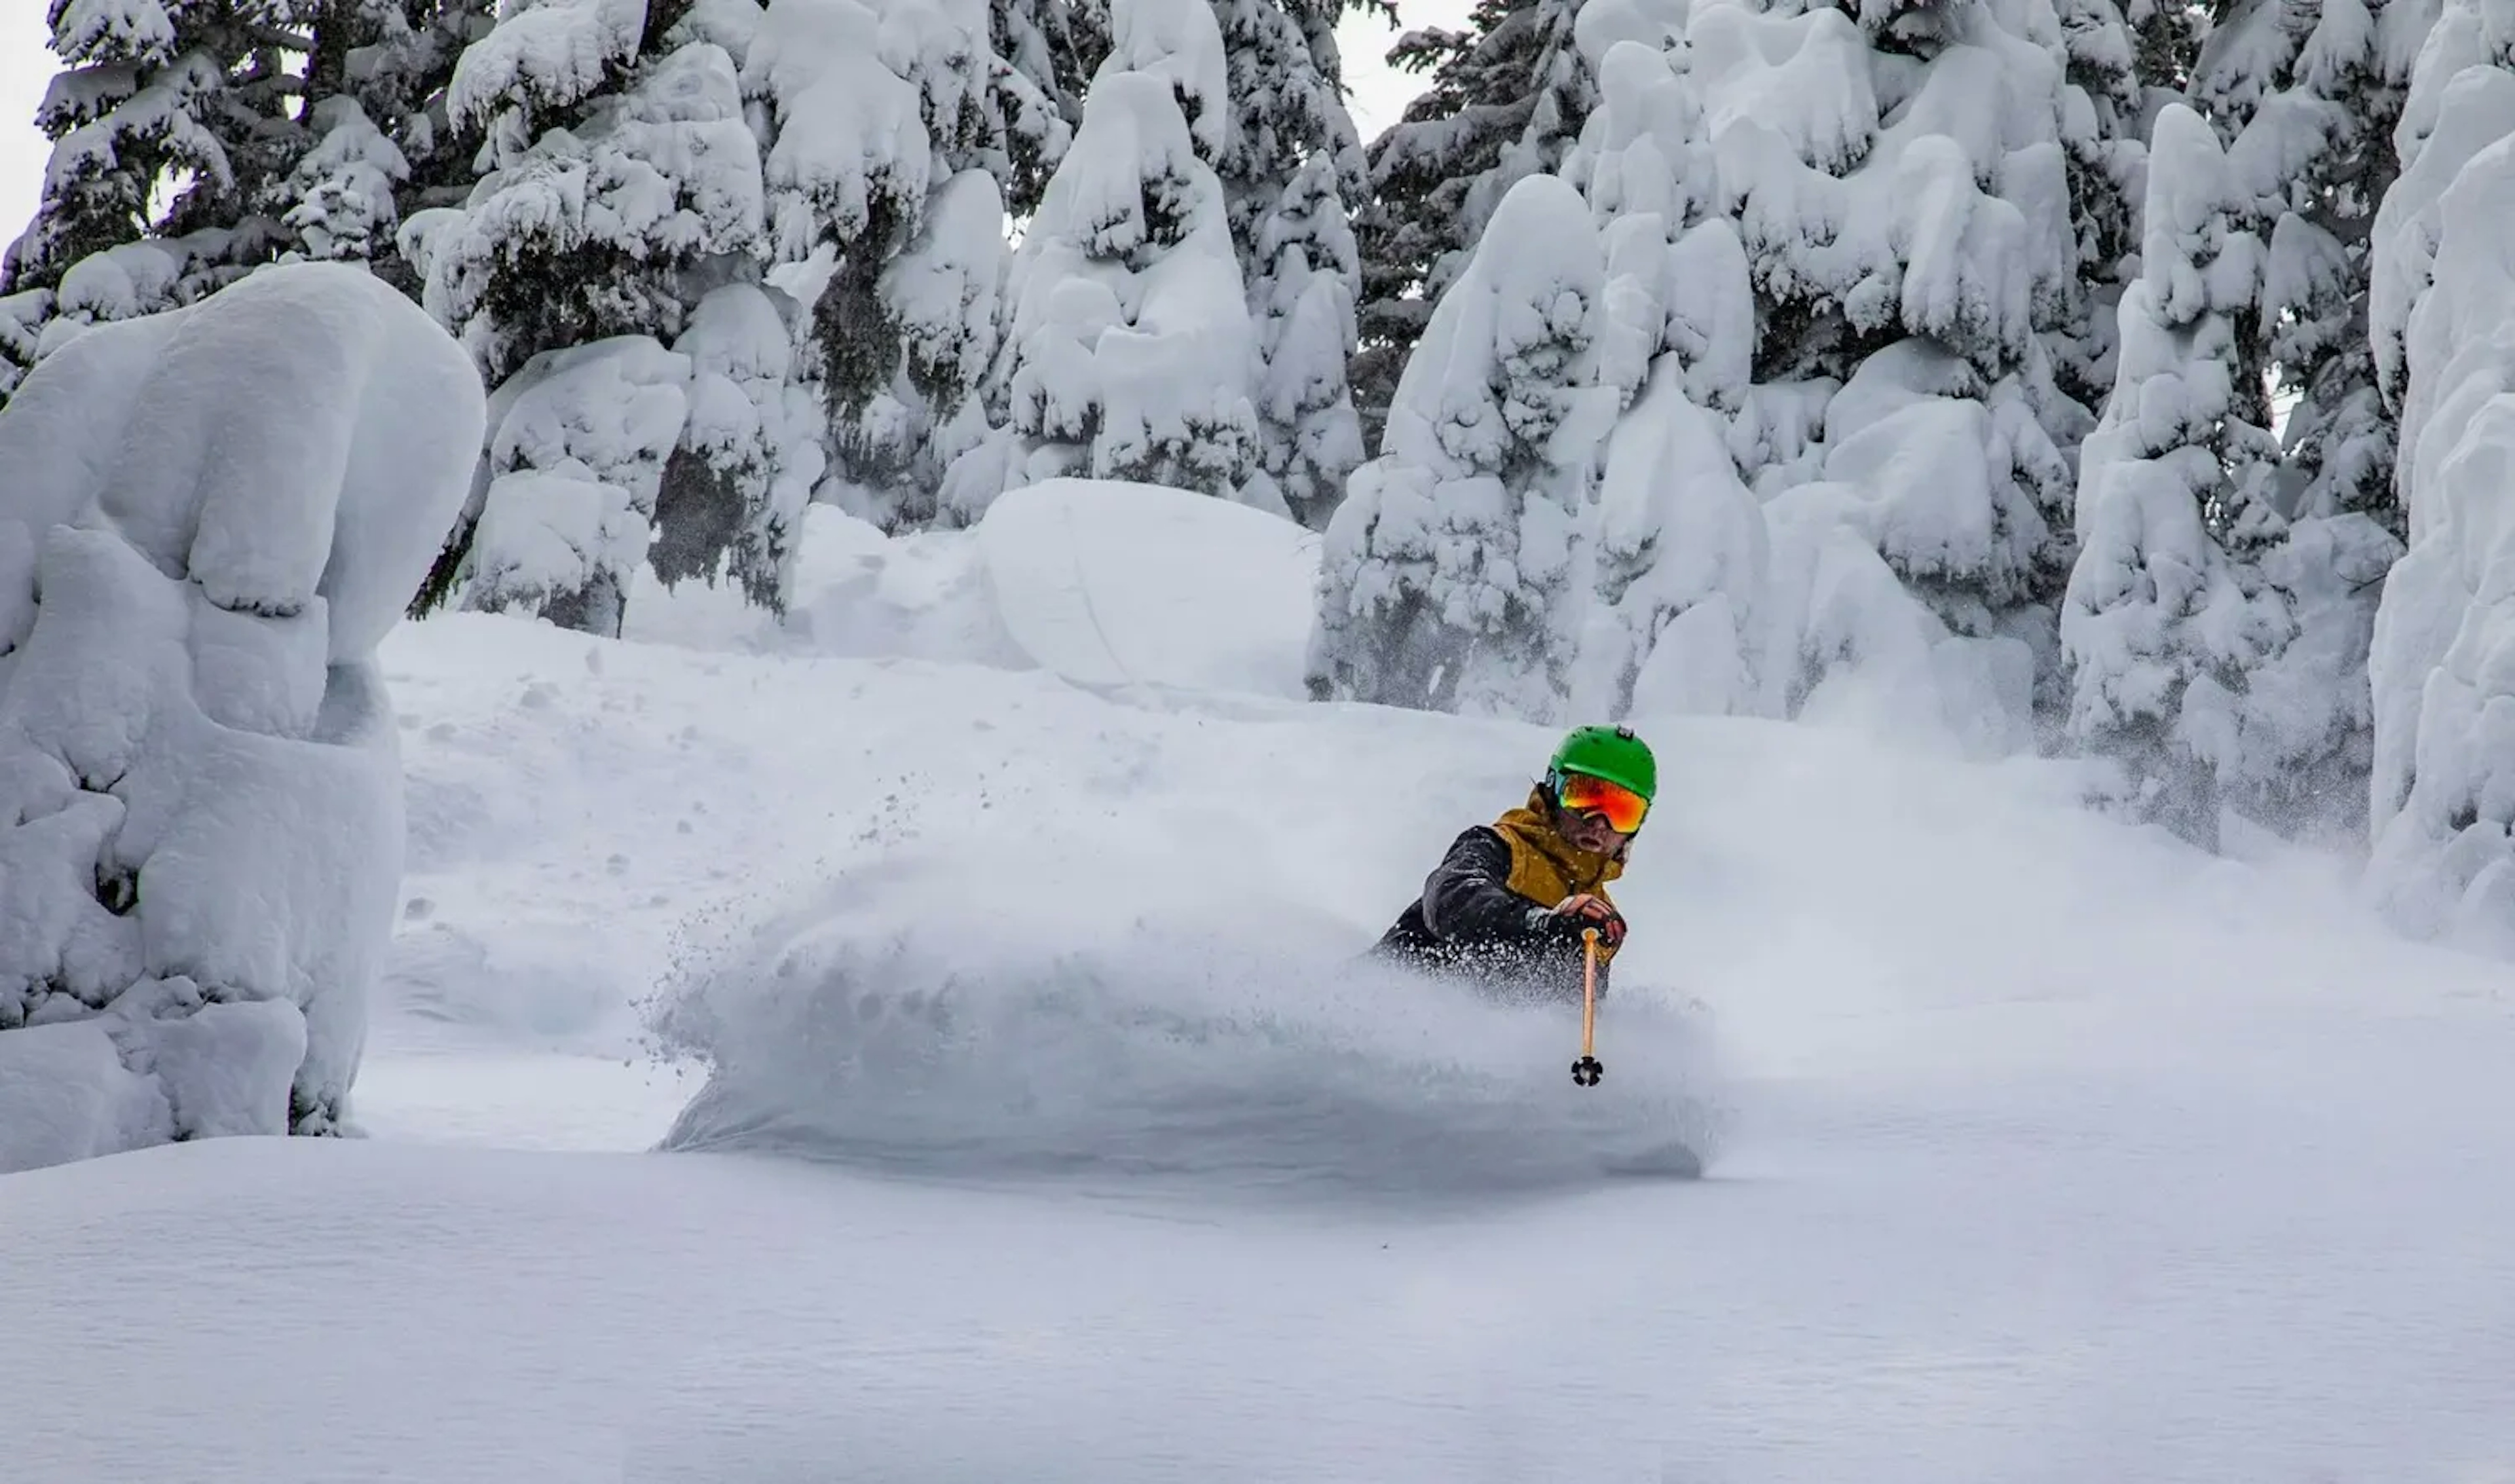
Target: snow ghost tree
{"x": 2211, "y": 639}
{"x": 1456, "y": 571}
{"x": 2443, "y": 794}
{"x": 608, "y": 274}
{"x": 1130, "y": 354}
{"x": 1907, "y": 398}
{"x": 2303, "y": 101}
{"x": 209, "y": 519}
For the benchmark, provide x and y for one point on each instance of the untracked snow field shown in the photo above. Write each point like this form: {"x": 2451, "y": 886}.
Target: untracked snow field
{"x": 799, "y": 1063}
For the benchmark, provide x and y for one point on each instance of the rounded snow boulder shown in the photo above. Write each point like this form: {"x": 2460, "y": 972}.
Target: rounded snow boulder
{"x": 1111, "y": 584}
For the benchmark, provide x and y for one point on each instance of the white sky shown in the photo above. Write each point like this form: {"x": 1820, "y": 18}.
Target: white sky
{"x": 26, "y": 65}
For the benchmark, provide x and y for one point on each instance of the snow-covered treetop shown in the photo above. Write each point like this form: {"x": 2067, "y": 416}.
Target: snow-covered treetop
{"x": 1503, "y": 369}
{"x": 1644, "y": 151}
{"x": 1127, "y": 186}
{"x": 1180, "y": 42}
{"x": 2193, "y": 251}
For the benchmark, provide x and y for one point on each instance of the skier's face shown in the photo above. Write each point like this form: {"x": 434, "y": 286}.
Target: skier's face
{"x": 1588, "y": 832}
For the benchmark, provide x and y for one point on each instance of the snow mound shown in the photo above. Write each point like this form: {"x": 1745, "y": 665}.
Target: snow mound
{"x": 1100, "y": 583}
{"x": 858, "y": 594}
{"x": 939, "y": 1015}
{"x": 65, "y": 1094}
{"x": 1106, "y": 583}
{"x": 209, "y": 519}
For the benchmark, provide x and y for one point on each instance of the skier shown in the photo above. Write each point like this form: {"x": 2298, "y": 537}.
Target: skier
{"x": 1504, "y": 909}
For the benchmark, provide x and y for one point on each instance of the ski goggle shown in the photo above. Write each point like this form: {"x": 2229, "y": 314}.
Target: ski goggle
{"x": 1619, "y": 805}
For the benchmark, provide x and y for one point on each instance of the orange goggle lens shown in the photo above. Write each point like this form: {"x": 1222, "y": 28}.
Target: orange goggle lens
{"x": 1622, "y": 807}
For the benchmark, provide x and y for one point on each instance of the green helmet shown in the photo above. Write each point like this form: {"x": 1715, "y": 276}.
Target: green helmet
{"x": 1612, "y": 753}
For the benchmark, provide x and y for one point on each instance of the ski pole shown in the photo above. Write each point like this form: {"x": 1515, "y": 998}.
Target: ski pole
{"x": 1586, "y": 1070}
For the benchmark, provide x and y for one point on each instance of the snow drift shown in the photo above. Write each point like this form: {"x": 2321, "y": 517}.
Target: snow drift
{"x": 211, "y": 517}
{"x": 949, "y": 1014}
{"x": 1113, "y": 584}
{"x": 1099, "y": 582}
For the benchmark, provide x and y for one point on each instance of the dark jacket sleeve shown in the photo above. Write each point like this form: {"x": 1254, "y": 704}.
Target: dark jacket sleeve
{"x": 1468, "y": 897}
{"x": 1468, "y": 903}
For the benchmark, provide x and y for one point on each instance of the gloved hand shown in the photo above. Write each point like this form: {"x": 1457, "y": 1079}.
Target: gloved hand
{"x": 1575, "y": 913}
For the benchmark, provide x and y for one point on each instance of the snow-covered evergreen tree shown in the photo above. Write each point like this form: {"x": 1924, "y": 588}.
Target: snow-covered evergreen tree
{"x": 160, "y": 98}
{"x": 900, "y": 136}
{"x": 1053, "y": 46}
{"x": 195, "y": 142}
{"x": 2459, "y": 103}
{"x": 2212, "y": 640}
{"x": 1897, "y": 186}
{"x": 609, "y": 274}
{"x": 1507, "y": 99}
{"x": 1456, "y": 573}
{"x": 2441, "y": 807}
{"x": 615, "y": 163}
{"x": 1284, "y": 75}
{"x": 2306, "y": 96}
{"x": 1130, "y": 353}
{"x": 1679, "y": 620}
{"x": 2104, "y": 126}
{"x": 1291, "y": 168}
{"x": 169, "y": 119}
{"x": 1302, "y": 296}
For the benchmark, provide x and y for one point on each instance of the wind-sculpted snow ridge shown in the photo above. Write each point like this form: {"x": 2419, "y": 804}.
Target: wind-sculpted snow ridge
{"x": 1024, "y": 1038}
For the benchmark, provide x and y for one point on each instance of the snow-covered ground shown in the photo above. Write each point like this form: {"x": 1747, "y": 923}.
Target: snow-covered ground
{"x": 2039, "y": 1149}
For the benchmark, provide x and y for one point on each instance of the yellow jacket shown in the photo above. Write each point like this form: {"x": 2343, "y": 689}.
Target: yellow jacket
{"x": 1546, "y": 868}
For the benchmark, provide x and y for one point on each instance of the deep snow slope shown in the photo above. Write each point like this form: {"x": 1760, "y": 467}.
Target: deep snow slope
{"x": 2047, "y": 1151}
